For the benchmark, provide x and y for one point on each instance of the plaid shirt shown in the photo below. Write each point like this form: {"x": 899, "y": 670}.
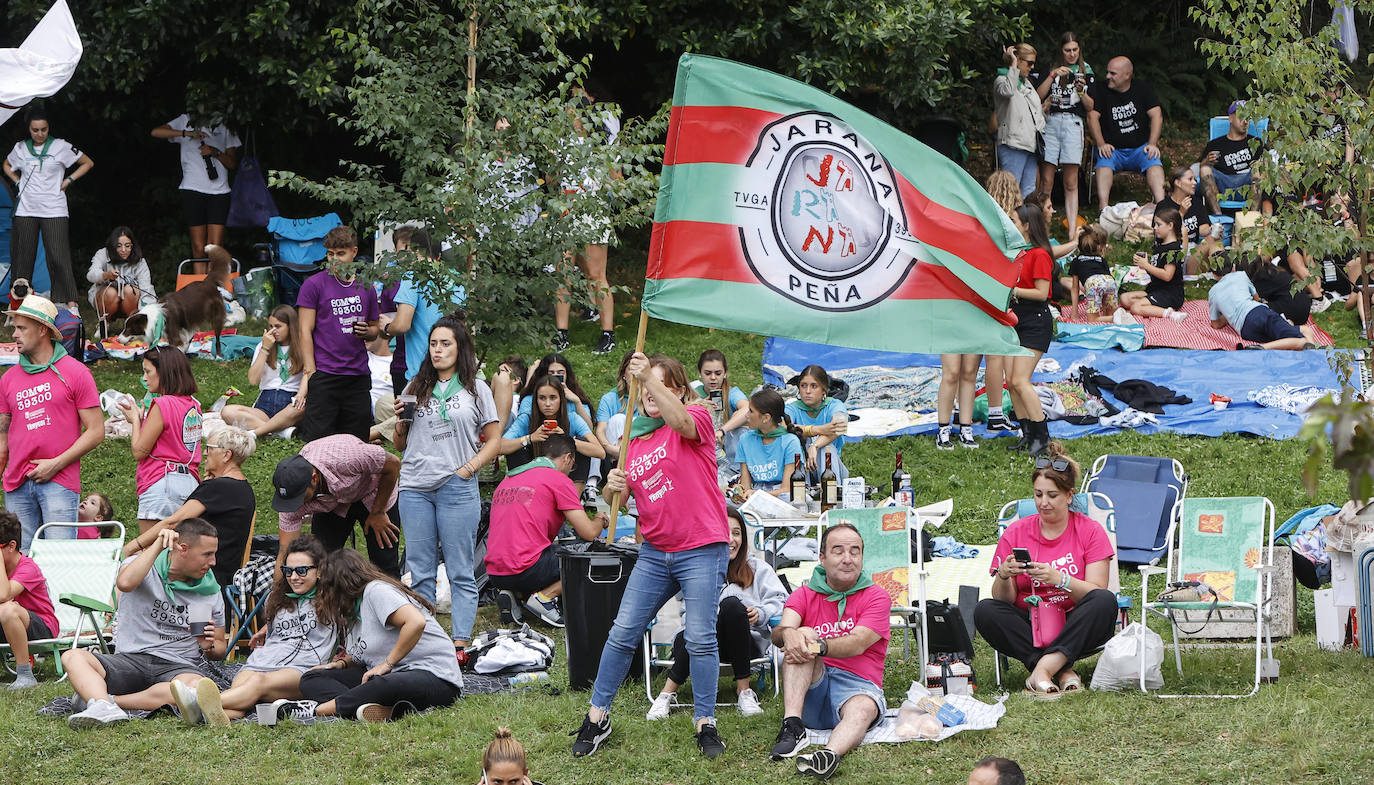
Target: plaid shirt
{"x": 350, "y": 468}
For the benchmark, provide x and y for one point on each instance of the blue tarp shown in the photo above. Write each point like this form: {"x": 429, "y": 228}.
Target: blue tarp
{"x": 39, "y": 280}
{"x": 1196, "y": 374}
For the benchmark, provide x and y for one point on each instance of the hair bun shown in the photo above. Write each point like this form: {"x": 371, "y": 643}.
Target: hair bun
{"x": 503, "y": 733}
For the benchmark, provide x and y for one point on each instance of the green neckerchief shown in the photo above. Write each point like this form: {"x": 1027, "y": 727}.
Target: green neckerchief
{"x": 814, "y": 410}
{"x": 207, "y": 584}
{"x": 148, "y": 396}
{"x": 39, "y": 155}
{"x": 31, "y": 367}
{"x": 537, "y": 463}
{"x": 773, "y": 434}
{"x": 444, "y": 391}
{"x": 644, "y": 425}
{"x": 283, "y": 366}
{"x": 310, "y": 595}
{"x": 158, "y": 327}
{"x": 818, "y": 585}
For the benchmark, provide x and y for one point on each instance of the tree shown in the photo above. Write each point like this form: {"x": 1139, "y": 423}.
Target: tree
{"x": 510, "y": 202}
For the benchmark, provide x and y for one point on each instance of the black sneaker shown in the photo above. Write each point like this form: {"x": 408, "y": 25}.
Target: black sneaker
{"x": 591, "y": 315}
{"x": 560, "y": 341}
{"x": 999, "y": 423}
{"x": 607, "y": 343}
{"x": 791, "y": 739}
{"x": 942, "y": 441}
{"x": 708, "y": 741}
{"x": 821, "y": 763}
{"x": 966, "y": 439}
{"x": 509, "y": 606}
{"x": 590, "y": 736}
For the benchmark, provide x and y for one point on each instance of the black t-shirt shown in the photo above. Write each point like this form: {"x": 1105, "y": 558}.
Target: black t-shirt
{"x": 1085, "y": 267}
{"x": 1125, "y": 116}
{"x": 1160, "y": 255}
{"x": 1195, "y": 218}
{"x": 229, "y": 507}
{"x": 1234, "y": 156}
{"x": 1062, "y": 96}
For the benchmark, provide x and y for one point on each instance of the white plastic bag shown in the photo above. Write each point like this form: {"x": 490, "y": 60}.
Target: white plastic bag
{"x": 1119, "y": 665}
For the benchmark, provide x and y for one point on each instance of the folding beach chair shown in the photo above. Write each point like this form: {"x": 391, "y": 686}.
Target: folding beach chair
{"x": 1094, "y": 505}
{"x": 187, "y": 276}
{"x": 246, "y": 596}
{"x": 887, "y": 535}
{"x": 81, "y": 584}
{"x": 298, "y": 249}
{"x": 1147, "y": 495}
{"x": 658, "y": 655}
{"x": 1224, "y": 544}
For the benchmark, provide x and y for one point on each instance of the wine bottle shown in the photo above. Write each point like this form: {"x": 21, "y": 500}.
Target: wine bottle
{"x": 897, "y": 476}
{"x": 796, "y": 484}
{"x": 830, "y": 485}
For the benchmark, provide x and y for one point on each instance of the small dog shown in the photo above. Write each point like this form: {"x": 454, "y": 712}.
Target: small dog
{"x": 174, "y": 315}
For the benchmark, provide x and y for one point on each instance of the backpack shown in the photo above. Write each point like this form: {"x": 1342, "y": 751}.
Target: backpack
{"x": 73, "y": 334}
{"x": 951, "y": 649}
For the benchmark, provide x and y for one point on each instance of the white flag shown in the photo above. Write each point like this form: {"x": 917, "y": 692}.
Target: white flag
{"x": 42, "y": 64}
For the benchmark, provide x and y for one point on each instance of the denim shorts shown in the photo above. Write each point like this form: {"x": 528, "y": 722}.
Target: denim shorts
{"x": 270, "y": 402}
{"x": 166, "y": 496}
{"x": 1063, "y": 139}
{"x": 825, "y": 698}
{"x": 1263, "y": 325}
{"x": 1128, "y": 159}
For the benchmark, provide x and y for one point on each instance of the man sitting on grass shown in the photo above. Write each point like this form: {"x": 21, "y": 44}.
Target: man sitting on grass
{"x": 833, "y": 635}
{"x": 527, "y": 510}
{"x": 25, "y": 608}
{"x": 163, "y": 589}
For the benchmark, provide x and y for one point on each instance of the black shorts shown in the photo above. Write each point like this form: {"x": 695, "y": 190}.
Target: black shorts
{"x": 130, "y": 673}
{"x": 37, "y": 630}
{"x": 1166, "y": 298}
{"x": 544, "y": 572}
{"x": 204, "y": 209}
{"x": 1035, "y": 328}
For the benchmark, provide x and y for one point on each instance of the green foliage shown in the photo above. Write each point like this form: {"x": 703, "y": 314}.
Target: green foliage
{"x": 508, "y": 201}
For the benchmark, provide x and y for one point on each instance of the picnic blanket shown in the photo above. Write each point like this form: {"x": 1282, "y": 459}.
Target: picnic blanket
{"x": 1195, "y": 332}
{"x": 232, "y": 345}
{"x": 977, "y": 716}
{"x": 1194, "y": 373}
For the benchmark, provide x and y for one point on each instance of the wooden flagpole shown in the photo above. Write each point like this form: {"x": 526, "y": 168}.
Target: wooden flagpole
{"x": 629, "y": 420}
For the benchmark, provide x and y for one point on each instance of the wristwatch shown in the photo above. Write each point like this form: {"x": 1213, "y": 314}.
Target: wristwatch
{"x": 825, "y": 647}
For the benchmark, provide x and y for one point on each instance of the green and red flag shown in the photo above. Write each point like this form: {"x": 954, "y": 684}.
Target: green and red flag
{"x": 784, "y": 211}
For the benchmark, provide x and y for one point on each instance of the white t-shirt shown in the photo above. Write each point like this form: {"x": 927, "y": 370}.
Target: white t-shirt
{"x": 271, "y": 377}
{"x": 380, "y": 366}
{"x": 40, "y": 176}
{"x": 193, "y": 174}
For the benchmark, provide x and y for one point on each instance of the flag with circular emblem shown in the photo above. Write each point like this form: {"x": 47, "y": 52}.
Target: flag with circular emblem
{"x": 785, "y": 211}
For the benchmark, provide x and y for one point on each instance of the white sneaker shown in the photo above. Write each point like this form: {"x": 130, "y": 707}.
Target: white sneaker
{"x": 1177, "y": 316}
{"x": 749, "y": 704}
{"x": 1123, "y": 317}
{"x": 97, "y": 714}
{"x": 662, "y": 705}
{"x": 184, "y": 696}
{"x": 211, "y": 706}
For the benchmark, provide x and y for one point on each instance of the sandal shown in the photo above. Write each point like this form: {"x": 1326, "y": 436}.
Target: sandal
{"x": 1044, "y": 690}
{"x": 1071, "y": 683}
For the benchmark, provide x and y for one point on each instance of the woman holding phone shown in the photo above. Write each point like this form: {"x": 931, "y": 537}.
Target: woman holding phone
{"x": 1063, "y": 557}
{"x": 549, "y": 413}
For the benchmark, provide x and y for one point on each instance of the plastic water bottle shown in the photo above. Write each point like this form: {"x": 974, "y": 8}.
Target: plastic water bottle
{"x": 533, "y": 677}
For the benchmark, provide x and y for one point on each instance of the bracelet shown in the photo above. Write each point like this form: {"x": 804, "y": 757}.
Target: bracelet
{"x": 1064, "y": 584}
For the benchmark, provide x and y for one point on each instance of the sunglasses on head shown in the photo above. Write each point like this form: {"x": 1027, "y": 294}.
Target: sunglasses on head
{"x": 1058, "y": 464}
{"x": 302, "y": 571}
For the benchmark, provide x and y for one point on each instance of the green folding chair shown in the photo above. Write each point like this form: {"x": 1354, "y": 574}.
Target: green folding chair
{"x": 1222, "y": 542}
{"x": 886, "y": 532}
{"x": 81, "y": 583}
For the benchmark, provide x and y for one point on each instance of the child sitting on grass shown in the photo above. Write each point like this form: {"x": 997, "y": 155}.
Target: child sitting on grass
{"x": 1091, "y": 273}
{"x": 1163, "y": 295}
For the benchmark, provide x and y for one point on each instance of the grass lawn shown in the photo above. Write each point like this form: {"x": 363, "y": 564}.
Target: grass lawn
{"x": 1299, "y": 729}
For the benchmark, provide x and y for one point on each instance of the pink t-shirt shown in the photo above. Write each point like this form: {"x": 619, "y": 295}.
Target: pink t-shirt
{"x": 179, "y": 442}
{"x": 46, "y": 418}
{"x": 870, "y": 607}
{"x": 34, "y": 598}
{"x": 526, "y": 514}
{"x": 1081, "y": 544}
{"x": 674, "y": 484}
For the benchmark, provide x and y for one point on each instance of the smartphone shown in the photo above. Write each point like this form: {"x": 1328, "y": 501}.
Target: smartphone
{"x": 562, "y": 378}
{"x": 550, "y": 425}
{"x": 1022, "y": 555}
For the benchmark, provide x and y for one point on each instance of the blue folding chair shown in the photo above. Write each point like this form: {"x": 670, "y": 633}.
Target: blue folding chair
{"x": 1147, "y": 496}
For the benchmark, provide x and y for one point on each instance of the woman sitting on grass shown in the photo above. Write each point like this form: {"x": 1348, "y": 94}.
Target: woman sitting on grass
{"x": 550, "y": 413}
{"x": 276, "y": 370}
{"x": 293, "y": 642}
{"x": 397, "y": 659}
{"x": 767, "y": 451}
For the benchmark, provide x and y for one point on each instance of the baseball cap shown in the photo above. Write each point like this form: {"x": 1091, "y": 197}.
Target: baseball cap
{"x": 1235, "y": 107}
{"x": 289, "y": 482}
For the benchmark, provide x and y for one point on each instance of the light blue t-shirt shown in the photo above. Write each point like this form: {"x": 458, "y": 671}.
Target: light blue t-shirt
{"x": 520, "y": 426}
{"x": 526, "y": 401}
{"x": 427, "y": 312}
{"x": 823, "y": 417}
{"x": 767, "y": 463}
{"x": 611, "y": 404}
{"x": 1232, "y": 297}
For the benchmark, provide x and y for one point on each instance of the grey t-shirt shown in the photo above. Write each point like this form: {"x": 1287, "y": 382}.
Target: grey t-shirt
{"x": 436, "y": 448}
{"x": 295, "y": 639}
{"x": 150, "y": 622}
{"x": 371, "y": 639}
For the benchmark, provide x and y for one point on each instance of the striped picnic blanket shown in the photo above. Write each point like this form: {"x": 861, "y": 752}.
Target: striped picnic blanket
{"x": 1195, "y": 332}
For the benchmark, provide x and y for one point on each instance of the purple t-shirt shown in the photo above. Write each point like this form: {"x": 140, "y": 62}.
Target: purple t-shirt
{"x": 337, "y": 306}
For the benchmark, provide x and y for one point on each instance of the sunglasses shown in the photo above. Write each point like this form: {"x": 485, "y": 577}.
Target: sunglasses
{"x": 302, "y": 571}
{"x": 1058, "y": 464}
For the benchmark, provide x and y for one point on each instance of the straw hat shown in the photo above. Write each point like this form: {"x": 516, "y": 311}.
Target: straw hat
{"x": 39, "y": 309}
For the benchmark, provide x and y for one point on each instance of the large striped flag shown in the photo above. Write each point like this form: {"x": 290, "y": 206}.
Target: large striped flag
{"x": 784, "y": 211}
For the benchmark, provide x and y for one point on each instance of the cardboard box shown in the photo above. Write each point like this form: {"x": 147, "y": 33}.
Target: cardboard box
{"x": 1332, "y": 619}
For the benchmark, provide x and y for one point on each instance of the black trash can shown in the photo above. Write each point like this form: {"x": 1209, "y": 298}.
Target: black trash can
{"x": 594, "y": 579}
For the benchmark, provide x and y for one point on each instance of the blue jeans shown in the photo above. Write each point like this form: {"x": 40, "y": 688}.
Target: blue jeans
{"x": 445, "y": 517}
{"x": 37, "y": 503}
{"x": 1021, "y": 163}
{"x": 699, "y": 574}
